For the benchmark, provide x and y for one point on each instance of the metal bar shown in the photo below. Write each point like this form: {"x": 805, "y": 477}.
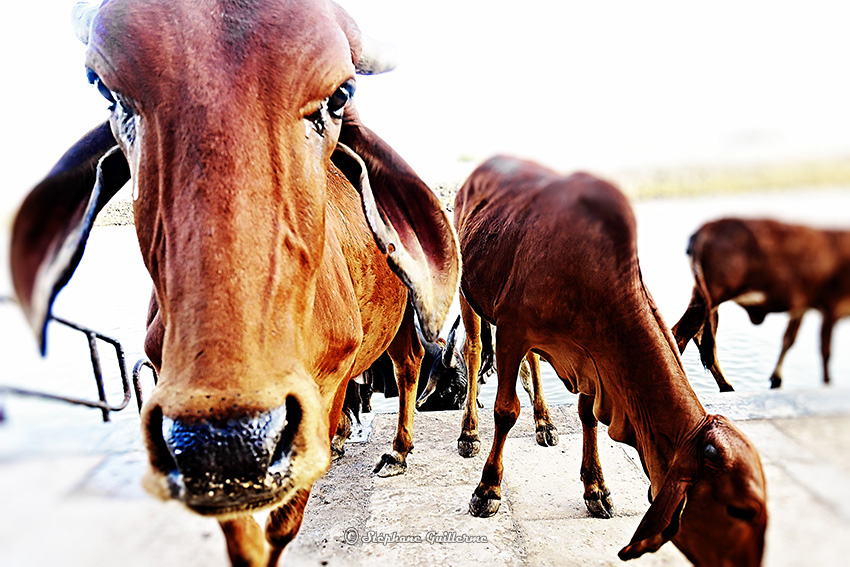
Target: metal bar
{"x": 45, "y": 395}
{"x": 98, "y": 373}
{"x": 137, "y": 384}
{"x": 102, "y": 404}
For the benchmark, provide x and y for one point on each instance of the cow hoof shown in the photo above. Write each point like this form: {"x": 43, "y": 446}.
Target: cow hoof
{"x": 337, "y": 448}
{"x": 391, "y": 464}
{"x": 468, "y": 445}
{"x": 775, "y": 381}
{"x": 483, "y": 507}
{"x": 599, "y": 504}
{"x": 547, "y": 435}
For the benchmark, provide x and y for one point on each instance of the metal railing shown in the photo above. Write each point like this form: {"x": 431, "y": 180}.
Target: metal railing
{"x": 101, "y": 403}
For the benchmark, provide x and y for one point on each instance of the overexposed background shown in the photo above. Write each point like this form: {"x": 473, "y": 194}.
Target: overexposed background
{"x": 594, "y": 85}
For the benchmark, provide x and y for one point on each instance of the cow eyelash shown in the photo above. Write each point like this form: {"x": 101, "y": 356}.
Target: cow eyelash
{"x": 334, "y": 106}
{"x": 337, "y": 101}
{"x": 101, "y": 88}
{"x": 122, "y": 111}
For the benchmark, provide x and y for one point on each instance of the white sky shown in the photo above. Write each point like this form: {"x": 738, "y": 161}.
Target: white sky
{"x": 594, "y": 85}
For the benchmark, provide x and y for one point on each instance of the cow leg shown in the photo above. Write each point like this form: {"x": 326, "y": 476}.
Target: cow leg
{"x": 350, "y": 405}
{"x": 468, "y": 444}
{"x": 488, "y": 495}
{"x": 546, "y": 432}
{"x": 246, "y": 545}
{"x": 406, "y": 352}
{"x": 283, "y": 524}
{"x": 825, "y": 343}
{"x": 794, "y": 320}
{"x": 691, "y": 322}
{"x": 707, "y": 344}
{"x": 597, "y": 497}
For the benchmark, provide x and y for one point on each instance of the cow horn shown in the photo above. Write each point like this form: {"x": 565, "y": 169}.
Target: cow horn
{"x": 375, "y": 57}
{"x": 82, "y": 15}
{"x": 448, "y": 353}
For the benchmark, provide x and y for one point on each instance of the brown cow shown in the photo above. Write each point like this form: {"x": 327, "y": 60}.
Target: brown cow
{"x": 552, "y": 262}
{"x": 279, "y": 233}
{"x": 765, "y": 267}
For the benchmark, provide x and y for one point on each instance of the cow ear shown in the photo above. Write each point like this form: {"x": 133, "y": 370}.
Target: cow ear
{"x": 407, "y": 220}
{"x": 659, "y": 524}
{"x": 661, "y": 521}
{"x": 53, "y": 223}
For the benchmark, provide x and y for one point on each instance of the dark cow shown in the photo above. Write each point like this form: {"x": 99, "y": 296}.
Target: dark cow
{"x": 765, "y": 266}
{"x": 289, "y": 246}
{"x": 552, "y": 262}
{"x": 441, "y": 385}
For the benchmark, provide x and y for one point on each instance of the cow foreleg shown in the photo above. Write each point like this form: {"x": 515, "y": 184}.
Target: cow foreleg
{"x": 488, "y": 495}
{"x": 691, "y": 322}
{"x": 245, "y": 543}
{"x": 597, "y": 497}
{"x": 283, "y": 524}
{"x": 406, "y": 353}
{"x": 706, "y": 341}
{"x": 468, "y": 444}
{"x": 546, "y": 432}
{"x": 826, "y": 342}
{"x": 795, "y": 318}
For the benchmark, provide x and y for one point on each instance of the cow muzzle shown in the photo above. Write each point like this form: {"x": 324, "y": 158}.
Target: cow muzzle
{"x": 233, "y": 465}
{"x": 241, "y": 462}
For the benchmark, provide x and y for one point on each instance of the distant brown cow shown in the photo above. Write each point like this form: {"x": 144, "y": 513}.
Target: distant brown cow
{"x": 765, "y": 267}
{"x": 552, "y": 262}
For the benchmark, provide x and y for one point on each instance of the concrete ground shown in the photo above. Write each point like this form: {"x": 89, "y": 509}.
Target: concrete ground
{"x": 72, "y": 497}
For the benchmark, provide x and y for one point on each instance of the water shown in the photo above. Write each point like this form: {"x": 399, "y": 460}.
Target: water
{"x": 747, "y": 353}
{"x": 110, "y": 294}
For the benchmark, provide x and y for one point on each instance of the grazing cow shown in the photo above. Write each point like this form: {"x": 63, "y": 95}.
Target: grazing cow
{"x": 288, "y": 245}
{"x": 552, "y": 262}
{"x": 765, "y": 267}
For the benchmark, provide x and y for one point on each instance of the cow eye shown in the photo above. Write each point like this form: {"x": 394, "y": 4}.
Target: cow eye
{"x": 711, "y": 452}
{"x": 101, "y": 88}
{"x": 745, "y": 514}
{"x": 340, "y": 98}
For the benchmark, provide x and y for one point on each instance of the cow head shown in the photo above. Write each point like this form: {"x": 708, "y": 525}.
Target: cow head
{"x": 446, "y": 386}
{"x": 712, "y": 503}
{"x": 225, "y": 116}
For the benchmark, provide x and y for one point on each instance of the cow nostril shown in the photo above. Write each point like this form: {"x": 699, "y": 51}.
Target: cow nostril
{"x": 283, "y": 447}
{"x": 161, "y": 457}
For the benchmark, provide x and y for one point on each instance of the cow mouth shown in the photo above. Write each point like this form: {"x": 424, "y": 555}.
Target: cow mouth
{"x": 225, "y": 467}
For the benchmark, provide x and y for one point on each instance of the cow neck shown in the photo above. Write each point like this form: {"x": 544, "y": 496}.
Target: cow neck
{"x": 650, "y": 404}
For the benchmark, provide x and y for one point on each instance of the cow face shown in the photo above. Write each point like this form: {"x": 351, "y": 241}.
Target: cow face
{"x": 725, "y": 515}
{"x": 712, "y": 503}
{"x": 228, "y": 131}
